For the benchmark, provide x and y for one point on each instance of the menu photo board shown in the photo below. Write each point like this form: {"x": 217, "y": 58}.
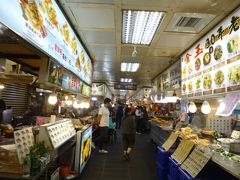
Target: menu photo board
{"x": 86, "y": 90}
{"x": 220, "y": 79}
{"x": 42, "y": 23}
{"x": 60, "y": 77}
{"x": 213, "y": 63}
{"x": 196, "y": 161}
{"x": 182, "y": 151}
{"x": 170, "y": 141}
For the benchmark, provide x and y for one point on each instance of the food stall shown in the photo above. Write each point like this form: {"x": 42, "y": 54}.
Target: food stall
{"x": 210, "y": 94}
{"x": 44, "y": 45}
{"x": 166, "y": 103}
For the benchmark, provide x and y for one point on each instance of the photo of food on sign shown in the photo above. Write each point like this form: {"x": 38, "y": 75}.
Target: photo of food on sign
{"x": 190, "y": 86}
{"x": 74, "y": 45}
{"x": 78, "y": 63}
{"x": 219, "y": 78}
{"x": 85, "y": 70}
{"x": 218, "y": 52}
{"x": 234, "y": 44}
{"x": 86, "y": 150}
{"x": 198, "y": 83}
{"x": 48, "y": 8}
{"x": 190, "y": 69}
{"x": 184, "y": 87}
{"x": 65, "y": 32}
{"x": 234, "y": 74}
{"x": 197, "y": 64}
{"x": 207, "y": 81}
{"x": 82, "y": 56}
{"x": 31, "y": 13}
{"x": 206, "y": 59}
{"x": 184, "y": 72}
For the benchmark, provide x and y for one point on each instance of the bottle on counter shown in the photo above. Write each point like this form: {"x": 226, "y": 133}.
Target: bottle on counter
{"x": 26, "y": 166}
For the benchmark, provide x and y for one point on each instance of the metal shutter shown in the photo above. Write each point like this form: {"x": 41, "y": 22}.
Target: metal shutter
{"x": 16, "y": 96}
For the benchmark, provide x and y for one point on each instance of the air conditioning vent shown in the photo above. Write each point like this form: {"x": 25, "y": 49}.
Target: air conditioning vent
{"x": 188, "y": 22}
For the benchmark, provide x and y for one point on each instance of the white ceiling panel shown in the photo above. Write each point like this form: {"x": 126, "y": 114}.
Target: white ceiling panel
{"x": 103, "y": 57}
{"x": 101, "y": 49}
{"x": 131, "y": 59}
{"x": 165, "y": 51}
{"x": 100, "y": 37}
{"x": 90, "y": 1}
{"x": 162, "y": 3}
{"x": 175, "y": 40}
{"x": 94, "y": 17}
{"x": 207, "y": 5}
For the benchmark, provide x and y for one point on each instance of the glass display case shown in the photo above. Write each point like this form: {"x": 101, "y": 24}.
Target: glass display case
{"x": 57, "y": 133}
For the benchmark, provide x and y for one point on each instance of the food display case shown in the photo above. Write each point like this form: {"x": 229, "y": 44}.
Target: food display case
{"x": 56, "y": 134}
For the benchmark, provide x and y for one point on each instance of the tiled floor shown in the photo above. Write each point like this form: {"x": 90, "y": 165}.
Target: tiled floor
{"x": 111, "y": 166}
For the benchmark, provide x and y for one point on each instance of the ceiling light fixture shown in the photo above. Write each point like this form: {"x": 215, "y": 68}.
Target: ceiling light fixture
{"x": 126, "y": 80}
{"x": 2, "y": 86}
{"x": 139, "y": 27}
{"x": 192, "y": 107}
{"x": 52, "y": 99}
{"x": 206, "y": 108}
{"x": 94, "y": 98}
{"x": 129, "y": 67}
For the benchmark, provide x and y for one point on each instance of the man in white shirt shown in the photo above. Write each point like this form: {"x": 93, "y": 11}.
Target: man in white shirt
{"x": 103, "y": 121}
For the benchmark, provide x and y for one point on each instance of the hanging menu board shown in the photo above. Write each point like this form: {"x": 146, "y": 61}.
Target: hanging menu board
{"x": 62, "y": 78}
{"x": 43, "y": 24}
{"x": 182, "y": 151}
{"x": 212, "y": 65}
{"x": 171, "y": 79}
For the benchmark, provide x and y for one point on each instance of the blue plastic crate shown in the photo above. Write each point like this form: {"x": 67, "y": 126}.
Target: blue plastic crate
{"x": 183, "y": 175}
{"x": 162, "y": 173}
{"x": 162, "y": 157}
{"x": 173, "y": 173}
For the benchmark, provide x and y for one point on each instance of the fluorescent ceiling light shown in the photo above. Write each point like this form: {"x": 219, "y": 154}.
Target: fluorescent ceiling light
{"x": 139, "y": 27}
{"x": 127, "y": 80}
{"x": 129, "y": 67}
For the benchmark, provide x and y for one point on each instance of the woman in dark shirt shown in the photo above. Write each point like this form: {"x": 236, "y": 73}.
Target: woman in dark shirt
{"x": 128, "y": 133}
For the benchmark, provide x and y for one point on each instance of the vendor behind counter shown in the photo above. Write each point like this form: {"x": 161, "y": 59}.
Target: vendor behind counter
{"x": 195, "y": 120}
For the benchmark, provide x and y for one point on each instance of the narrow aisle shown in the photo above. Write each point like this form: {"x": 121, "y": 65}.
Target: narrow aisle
{"x": 111, "y": 166}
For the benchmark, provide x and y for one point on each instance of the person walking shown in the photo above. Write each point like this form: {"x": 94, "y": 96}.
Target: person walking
{"x": 128, "y": 133}
{"x": 138, "y": 114}
{"x": 103, "y": 123}
{"x": 144, "y": 119}
{"x": 119, "y": 115}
